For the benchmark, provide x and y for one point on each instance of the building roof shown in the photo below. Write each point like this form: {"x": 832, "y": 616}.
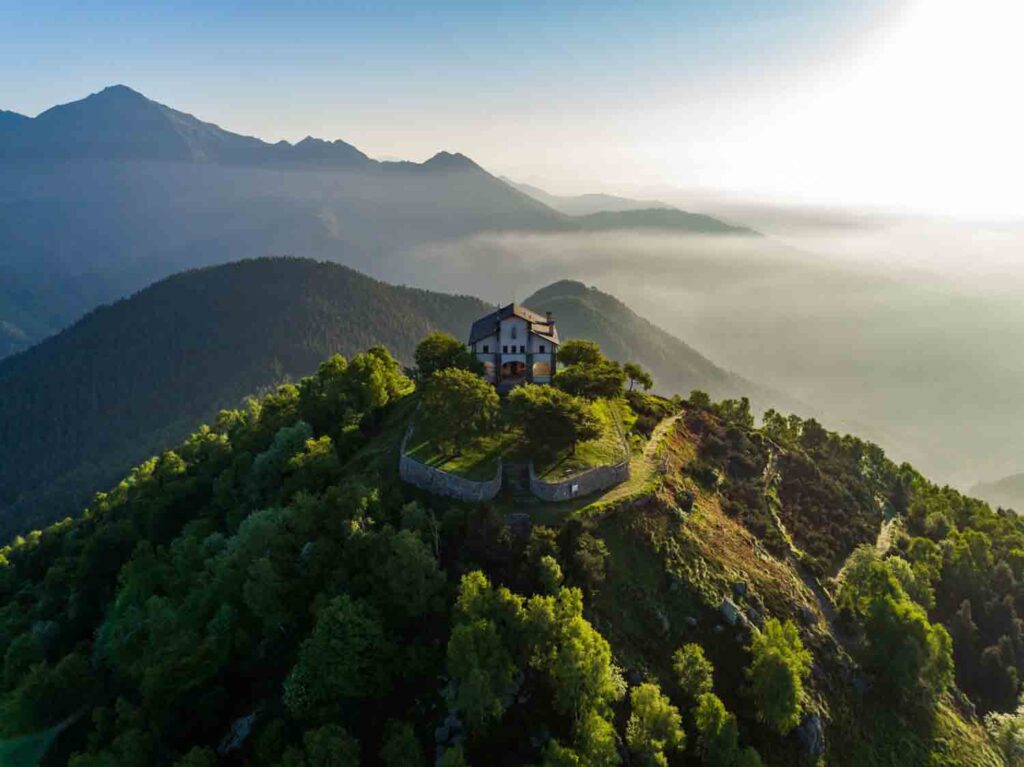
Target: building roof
{"x": 488, "y": 324}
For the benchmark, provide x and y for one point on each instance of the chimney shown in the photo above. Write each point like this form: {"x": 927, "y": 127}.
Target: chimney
{"x": 551, "y": 321}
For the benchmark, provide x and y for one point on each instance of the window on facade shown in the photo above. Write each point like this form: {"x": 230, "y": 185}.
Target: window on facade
{"x": 542, "y": 349}
{"x": 514, "y": 329}
{"x": 522, "y": 350}
{"x": 487, "y": 348}
{"x": 504, "y": 350}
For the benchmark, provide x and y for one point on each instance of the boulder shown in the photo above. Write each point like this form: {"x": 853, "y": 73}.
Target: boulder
{"x": 739, "y": 589}
{"x": 730, "y": 612}
{"x": 240, "y": 729}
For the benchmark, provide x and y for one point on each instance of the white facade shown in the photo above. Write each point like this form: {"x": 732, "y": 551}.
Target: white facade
{"x": 515, "y": 346}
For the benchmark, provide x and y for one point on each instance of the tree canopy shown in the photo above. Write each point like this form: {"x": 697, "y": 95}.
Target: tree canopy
{"x": 441, "y": 351}
{"x": 637, "y": 375}
{"x": 458, "y": 407}
{"x": 777, "y": 672}
{"x": 552, "y": 420}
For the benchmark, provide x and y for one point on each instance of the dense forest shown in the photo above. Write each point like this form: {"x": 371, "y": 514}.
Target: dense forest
{"x": 132, "y": 379}
{"x": 268, "y": 593}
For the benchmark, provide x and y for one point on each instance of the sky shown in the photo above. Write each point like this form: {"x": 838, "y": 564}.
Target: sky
{"x": 907, "y": 105}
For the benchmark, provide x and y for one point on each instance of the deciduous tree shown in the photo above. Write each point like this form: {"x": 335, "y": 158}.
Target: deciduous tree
{"x": 777, "y": 672}
{"x": 457, "y": 408}
{"x": 552, "y": 420}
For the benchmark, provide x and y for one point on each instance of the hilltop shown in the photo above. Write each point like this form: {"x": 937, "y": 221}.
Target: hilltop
{"x": 132, "y": 378}
{"x": 779, "y": 595}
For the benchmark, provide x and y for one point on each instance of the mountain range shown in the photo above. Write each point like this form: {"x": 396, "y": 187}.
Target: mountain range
{"x": 129, "y": 379}
{"x": 102, "y": 196}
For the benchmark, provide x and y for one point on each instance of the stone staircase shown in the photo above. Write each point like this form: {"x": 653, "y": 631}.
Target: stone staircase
{"x": 517, "y": 481}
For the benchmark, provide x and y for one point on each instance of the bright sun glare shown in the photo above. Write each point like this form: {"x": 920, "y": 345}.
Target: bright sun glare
{"x": 928, "y": 116}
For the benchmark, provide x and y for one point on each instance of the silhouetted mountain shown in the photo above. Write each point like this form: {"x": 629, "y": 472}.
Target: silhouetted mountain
{"x": 606, "y": 211}
{"x": 584, "y": 204}
{"x": 1007, "y": 492}
{"x": 102, "y": 196}
{"x": 661, "y": 218}
{"x": 119, "y": 123}
{"x": 132, "y": 378}
{"x": 11, "y": 121}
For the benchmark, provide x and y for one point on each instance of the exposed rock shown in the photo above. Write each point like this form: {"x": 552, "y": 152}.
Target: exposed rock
{"x": 240, "y": 729}
{"x": 739, "y": 589}
{"x": 691, "y": 621}
{"x": 663, "y": 620}
{"x": 730, "y": 612}
{"x": 685, "y": 500}
{"x": 755, "y": 617}
{"x": 810, "y": 734}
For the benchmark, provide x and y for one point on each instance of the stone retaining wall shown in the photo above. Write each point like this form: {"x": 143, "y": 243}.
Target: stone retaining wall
{"x": 441, "y": 482}
{"x": 584, "y": 483}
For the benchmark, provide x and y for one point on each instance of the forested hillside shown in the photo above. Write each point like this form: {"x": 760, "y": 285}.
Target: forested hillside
{"x": 269, "y": 593}
{"x": 131, "y": 379}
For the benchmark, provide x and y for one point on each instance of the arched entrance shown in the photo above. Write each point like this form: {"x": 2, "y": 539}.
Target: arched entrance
{"x": 513, "y": 371}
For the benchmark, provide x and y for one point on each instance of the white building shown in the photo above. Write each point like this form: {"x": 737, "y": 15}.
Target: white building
{"x": 515, "y": 345}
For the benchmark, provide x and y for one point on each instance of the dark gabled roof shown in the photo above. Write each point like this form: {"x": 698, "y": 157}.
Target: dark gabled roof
{"x": 488, "y": 324}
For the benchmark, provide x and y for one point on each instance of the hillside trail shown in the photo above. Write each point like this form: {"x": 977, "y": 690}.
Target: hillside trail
{"x": 643, "y": 465}
{"x": 793, "y": 557}
{"x": 657, "y": 435}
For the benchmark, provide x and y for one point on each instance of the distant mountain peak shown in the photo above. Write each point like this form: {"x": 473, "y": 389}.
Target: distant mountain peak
{"x": 565, "y": 288}
{"x": 119, "y": 90}
{"x": 451, "y": 161}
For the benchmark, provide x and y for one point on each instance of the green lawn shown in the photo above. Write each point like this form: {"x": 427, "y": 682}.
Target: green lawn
{"x": 478, "y": 462}
{"x": 605, "y": 450}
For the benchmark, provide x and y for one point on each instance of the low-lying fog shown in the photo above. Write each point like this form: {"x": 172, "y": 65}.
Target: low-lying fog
{"x": 905, "y": 332}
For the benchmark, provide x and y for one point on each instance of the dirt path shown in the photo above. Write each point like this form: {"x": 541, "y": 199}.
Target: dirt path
{"x": 792, "y": 558}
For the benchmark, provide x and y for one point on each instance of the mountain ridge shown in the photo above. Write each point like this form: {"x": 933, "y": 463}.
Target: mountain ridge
{"x": 1007, "y": 492}
{"x": 105, "y": 195}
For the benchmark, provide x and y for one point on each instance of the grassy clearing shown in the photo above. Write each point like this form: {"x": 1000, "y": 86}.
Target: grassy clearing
{"x": 477, "y": 462}
{"x": 603, "y": 451}
{"x": 480, "y": 460}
